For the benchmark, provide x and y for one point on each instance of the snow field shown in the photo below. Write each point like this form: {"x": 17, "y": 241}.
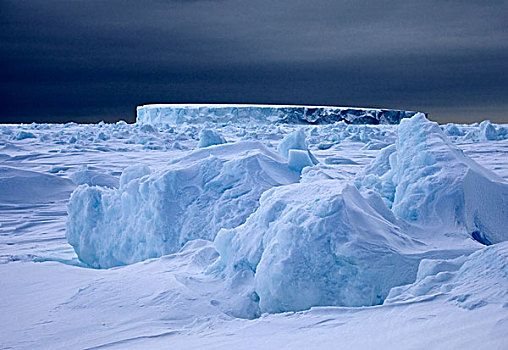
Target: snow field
{"x": 314, "y": 243}
{"x": 378, "y": 233}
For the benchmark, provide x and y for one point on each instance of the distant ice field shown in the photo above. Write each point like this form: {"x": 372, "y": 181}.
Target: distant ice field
{"x": 252, "y": 234}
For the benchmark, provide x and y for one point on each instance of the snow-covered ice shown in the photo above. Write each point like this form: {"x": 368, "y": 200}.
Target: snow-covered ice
{"x": 424, "y": 178}
{"x": 208, "y": 137}
{"x": 254, "y": 227}
{"x": 193, "y": 197}
{"x": 317, "y": 244}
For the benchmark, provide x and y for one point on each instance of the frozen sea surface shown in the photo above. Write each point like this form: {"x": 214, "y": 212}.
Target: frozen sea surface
{"x": 355, "y": 246}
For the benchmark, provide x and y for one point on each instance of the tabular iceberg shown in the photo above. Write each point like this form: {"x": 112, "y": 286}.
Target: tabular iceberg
{"x": 174, "y": 114}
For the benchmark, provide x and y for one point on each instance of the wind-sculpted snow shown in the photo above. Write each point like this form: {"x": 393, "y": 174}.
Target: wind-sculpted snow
{"x": 156, "y": 214}
{"x": 312, "y": 244}
{"x": 133, "y": 172}
{"x": 470, "y": 281}
{"x": 483, "y": 132}
{"x": 425, "y": 179}
{"x": 209, "y": 137}
{"x": 22, "y": 186}
{"x": 488, "y": 132}
{"x": 174, "y": 114}
{"x": 320, "y": 241}
{"x": 93, "y": 178}
{"x": 294, "y": 148}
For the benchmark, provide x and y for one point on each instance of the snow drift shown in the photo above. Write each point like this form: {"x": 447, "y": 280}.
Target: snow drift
{"x": 312, "y": 244}
{"x": 208, "y": 138}
{"x": 428, "y": 181}
{"x": 156, "y": 214}
{"x": 470, "y": 281}
{"x": 23, "y": 186}
{"x": 294, "y": 148}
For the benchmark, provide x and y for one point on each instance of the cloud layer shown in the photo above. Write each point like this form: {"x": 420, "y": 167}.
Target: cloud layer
{"x": 93, "y": 60}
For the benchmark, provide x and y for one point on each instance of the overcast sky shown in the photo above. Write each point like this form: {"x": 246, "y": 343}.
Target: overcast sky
{"x": 92, "y": 60}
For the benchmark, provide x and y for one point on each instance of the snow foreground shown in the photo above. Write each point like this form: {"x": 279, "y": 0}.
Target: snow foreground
{"x": 253, "y": 235}
{"x": 174, "y": 114}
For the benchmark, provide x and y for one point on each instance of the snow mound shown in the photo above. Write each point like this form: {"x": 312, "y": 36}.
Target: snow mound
{"x": 375, "y": 145}
{"x": 452, "y": 129}
{"x": 298, "y": 159}
{"x": 488, "y": 131}
{"x": 23, "y": 186}
{"x": 470, "y": 282}
{"x": 154, "y": 215}
{"x": 483, "y": 132}
{"x": 425, "y": 179}
{"x": 93, "y": 178}
{"x": 22, "y": 135}
{"x": 315, "y": 244}
{"x": 208, "y": 137}
{"x": 133, "y": 172}
{"x": 294, "y": 148}
{"x": 175, "y": 114}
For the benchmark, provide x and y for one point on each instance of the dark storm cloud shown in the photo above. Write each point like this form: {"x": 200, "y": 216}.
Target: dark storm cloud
{"x": 92, "y": 60}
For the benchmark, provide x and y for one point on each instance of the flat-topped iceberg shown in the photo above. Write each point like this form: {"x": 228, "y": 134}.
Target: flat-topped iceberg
{"x": 174, "y": 114}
